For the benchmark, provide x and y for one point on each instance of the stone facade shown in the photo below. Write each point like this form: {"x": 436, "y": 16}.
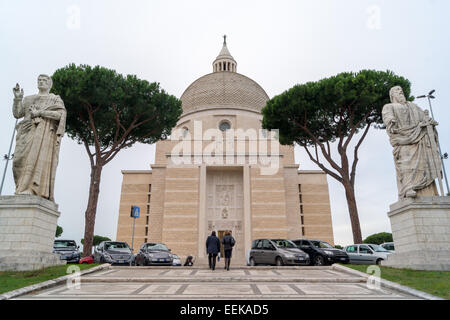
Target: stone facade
{"x": 182, "y": 203}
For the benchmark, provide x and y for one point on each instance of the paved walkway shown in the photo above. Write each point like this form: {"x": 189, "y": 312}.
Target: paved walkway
{"x": 202, "y": 283}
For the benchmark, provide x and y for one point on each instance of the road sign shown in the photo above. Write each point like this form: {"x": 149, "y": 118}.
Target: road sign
{"x": 135, "y": 212}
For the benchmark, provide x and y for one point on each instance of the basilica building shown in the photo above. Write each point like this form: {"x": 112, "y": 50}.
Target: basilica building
{"x": 220, "y": 171}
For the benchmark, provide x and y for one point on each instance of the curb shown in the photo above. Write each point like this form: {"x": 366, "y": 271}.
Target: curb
{"x": 48, "y": 284}
{"x": 236, "y": 267}
{"x": 223, "y": 279}
{"x": 390, "y": 284}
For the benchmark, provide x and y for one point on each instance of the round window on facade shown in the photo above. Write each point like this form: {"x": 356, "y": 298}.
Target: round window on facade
{"x": 224, "y": 126}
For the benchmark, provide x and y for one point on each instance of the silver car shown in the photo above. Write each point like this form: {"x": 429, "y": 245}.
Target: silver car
{"x": 276, "y": 251}
{"x": 154, "y": 254}
{"x": 113, "y": 252}
{"x": 366, "y": 253}
{"x": 389, "y": 246}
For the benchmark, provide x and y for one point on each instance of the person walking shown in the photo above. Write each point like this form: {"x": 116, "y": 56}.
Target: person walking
{"x": 228, "y": 244}
{"x": 212, "y": 249}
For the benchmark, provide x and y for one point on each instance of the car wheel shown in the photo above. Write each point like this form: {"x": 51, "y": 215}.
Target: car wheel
{"x": 379, "y": 261}
{"x": 252, "y": 262}
{"x": 279, "y": 261}
{"x": 319, "y": 261}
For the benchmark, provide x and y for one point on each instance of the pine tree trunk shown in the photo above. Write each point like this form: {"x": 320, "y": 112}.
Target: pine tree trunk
{"x": 91, "y": 210}
{"x": 353, "y": 211}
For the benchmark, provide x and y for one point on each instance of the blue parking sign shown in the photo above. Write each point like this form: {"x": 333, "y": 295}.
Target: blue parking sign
{"x": 135, "y": 211}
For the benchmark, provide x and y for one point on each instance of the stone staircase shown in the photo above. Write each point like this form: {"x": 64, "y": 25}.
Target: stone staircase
{"x": 200, "y": 283}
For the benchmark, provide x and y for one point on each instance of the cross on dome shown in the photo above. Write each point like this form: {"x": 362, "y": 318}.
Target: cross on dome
{"x": 224, "y": 61}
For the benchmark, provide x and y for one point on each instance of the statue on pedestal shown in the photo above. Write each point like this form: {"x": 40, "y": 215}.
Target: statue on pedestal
{"x": 38, "y": 139}
{"x": 412, "y": 134}
{"x": 420, "y": 242}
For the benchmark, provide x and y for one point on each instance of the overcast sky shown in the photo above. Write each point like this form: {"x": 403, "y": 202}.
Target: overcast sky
{"x": 276, "y": 43}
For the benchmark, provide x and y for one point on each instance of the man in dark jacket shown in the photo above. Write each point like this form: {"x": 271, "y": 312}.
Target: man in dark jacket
{"x": 228, "y": 244}
{"x": 212, "y": 249}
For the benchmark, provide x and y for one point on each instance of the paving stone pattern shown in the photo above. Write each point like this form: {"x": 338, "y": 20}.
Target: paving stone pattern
{"x": 202, "y": 283}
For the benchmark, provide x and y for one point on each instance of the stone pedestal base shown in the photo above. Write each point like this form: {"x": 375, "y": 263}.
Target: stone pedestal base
{"x": 421, "y": 232}
{"x": 27, "y": 232}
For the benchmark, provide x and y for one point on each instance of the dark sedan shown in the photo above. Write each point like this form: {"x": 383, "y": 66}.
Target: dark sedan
{"x": 67, "y": 250}
{"x": 113, "y": 252}
{"x": 154, "y": 254}
{"x": 321, "y": 253}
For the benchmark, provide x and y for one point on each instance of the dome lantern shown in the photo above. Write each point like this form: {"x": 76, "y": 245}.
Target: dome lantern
{"x": 224, "y": 61}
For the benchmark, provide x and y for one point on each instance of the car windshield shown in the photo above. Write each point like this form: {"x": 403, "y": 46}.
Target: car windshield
{"x": 64, "y": 243}
{"x": 322, "y": 245}
{"x": 115, "y": 245}
{"x": 377, "y": 248}
{"x": 284, "y": 244}
{"x": 157, "y": 247}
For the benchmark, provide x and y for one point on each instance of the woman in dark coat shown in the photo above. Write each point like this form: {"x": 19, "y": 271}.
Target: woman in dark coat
{"x": 212, "y": 249}
{"x": 228, "y": 244}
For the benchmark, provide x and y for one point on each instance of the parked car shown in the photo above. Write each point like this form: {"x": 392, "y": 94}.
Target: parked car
{"x": 389, "y": 246}
{"x": 366, "y": 253}
{"x": 113, "y": 252}
{"x": 87, "y": 260}
{"x": 67, "y": 250}
{"x": 154, "y": 254}
{"x": 321, "y": 253}
{"x": 276, "y": 251}
{"x": 176, "y": 260}
{"x": 247, "y": 253}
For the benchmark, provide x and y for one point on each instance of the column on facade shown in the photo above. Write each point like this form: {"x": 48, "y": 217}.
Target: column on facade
{"x": 247, "y": 209}
{"x": 202, "y": 213}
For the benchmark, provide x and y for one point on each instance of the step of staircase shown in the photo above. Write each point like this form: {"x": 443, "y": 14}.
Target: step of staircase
{"x": 201, "y": 283}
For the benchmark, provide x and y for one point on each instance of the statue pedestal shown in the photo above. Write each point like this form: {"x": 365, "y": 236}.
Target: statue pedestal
{"x": 421, "y": 232}
{"x": 27, "y": 232}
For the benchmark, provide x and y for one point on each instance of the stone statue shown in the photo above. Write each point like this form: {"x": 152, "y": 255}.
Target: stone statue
{"x": 412, "y": 134}
{"x": 38, "y": 139}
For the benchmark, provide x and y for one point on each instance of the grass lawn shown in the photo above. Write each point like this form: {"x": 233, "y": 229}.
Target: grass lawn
{"x": 433, "y": 282}
{"x": 11, "y": 280}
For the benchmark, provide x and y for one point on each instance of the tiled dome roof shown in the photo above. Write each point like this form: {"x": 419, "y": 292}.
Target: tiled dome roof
{"x": 223, "y": 89}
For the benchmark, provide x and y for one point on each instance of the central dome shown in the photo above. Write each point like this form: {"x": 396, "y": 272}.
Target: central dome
{"x": 223, "y": 89}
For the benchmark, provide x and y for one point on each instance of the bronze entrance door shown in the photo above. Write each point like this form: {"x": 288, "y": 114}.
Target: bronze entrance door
{"x": 225, "y": 206}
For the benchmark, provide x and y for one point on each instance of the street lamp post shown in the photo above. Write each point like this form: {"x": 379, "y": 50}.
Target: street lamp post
{"x": 445, "y": 156}
{"x": 8, "y": 157}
